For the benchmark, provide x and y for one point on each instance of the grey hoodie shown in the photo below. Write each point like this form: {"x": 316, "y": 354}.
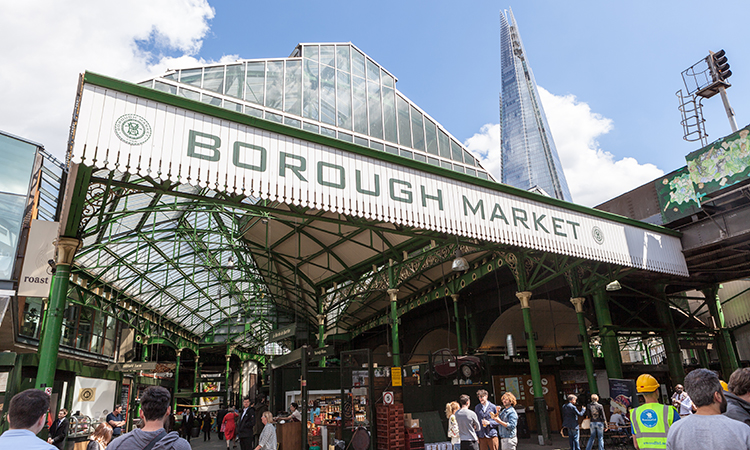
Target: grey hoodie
{"x": 737, "y": 408}
{"x": 137, "y": 439}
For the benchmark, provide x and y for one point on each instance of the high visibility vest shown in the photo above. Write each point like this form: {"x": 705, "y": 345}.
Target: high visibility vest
{"x": 651, "y": 424}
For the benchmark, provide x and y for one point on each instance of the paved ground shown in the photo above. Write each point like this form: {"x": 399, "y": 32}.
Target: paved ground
{"x": 558, "y": 443}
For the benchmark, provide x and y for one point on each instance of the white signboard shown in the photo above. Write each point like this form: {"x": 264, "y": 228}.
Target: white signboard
{"x": 144, "y": 137}
{"x": 36, "y": 276}
{"x": 94, "y": 397}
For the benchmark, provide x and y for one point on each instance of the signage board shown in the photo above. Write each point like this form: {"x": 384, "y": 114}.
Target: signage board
{"x": 396, "y": 376}
{"x": 36, "y": 275}
{"x": 289, "y": 358}
{"x": 317, "y": 354}
{"x": 124, "y": 127}
{"x": 697, "y": 344}
{"x": 136, "y": 366}
{"x": 388, "y": 398}
{"x": 282, "y": 333}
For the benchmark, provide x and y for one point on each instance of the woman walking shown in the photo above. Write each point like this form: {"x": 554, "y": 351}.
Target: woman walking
{"x": 229, "y": 426}
{"x": 267, "y": 440}
{"x": 206, "y": 426}
{"x": 453, "y": 432}
{"x": 508, "y": 420}
{"x": 100, "y": 438}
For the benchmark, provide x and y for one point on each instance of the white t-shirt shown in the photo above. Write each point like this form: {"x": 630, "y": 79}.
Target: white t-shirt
{"x": 709, "y": 432}
{"x": 685, "y": 404}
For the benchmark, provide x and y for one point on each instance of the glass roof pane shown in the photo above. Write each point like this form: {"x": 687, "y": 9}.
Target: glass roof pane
{"x": 255, "y": 83}
{"x": 344, "y": 100}
{"x": 327, "y": 55}
{"x": 310, "y": 91}
{"x": 342, "y": 58}
{"x": 274, "y": 84}
{"x": 310, "y": 52}
{"x": 213, "y": 79}
{"x": 293, "y": 87}
{"x": 235, "y": 80}
{"x": 359, "y": 105}
{"x": 191, "y": 77}
{"x": 358, "y": 63}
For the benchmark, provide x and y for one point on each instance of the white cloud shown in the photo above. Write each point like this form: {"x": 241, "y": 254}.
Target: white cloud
{"x": 593, "y": 175}
{"x": 48, "y": 43}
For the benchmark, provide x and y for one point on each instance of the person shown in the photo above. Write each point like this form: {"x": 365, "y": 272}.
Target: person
{"x": 100, "y": 438}
{"x": 188, "y": 421}
{"x": 220, "y": 420}
{"x": 738, "y": 396}
{"x": 468, "y": 424}
{"x": 314, "y": 410}
{"x": 267, "y": 439}
{"x": 27, "y": 414}
{"x": 707, "y": 428}
{"x": 230, "y": 427}
{"x": 485, "y": 410}
{"x": 508, "y": 420}
{"x": 206, "y": 426}
{"x": 295, "y": 415}
{"x": 595, "y": 413}
{"x": 246, "y": 424}
{"x": 681, "y": 401}
{"x": 115, "y": 420}
{"x": 570, "y": 415}
{"x": 155, "y": 412}
{"x": 619, "y": 419}
{"x": 58, "y": 431}
{"x": 261, "y": 406}
{"x": 450, "y": 413}
{"x": 651, "y": 421}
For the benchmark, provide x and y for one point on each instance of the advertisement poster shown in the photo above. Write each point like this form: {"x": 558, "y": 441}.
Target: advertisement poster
{"x": 623, "y": 395}
{"x": 94, "y": 397}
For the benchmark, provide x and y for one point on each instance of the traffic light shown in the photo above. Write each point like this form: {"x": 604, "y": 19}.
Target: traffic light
{"x": 720, "y": 66}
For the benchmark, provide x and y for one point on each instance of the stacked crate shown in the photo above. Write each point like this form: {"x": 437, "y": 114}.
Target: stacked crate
{"x": 414, "y": 439}
{"x": 390, "y": 427}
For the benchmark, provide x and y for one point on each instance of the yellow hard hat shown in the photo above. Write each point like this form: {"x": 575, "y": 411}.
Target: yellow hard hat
{"x": 724, "y": 385}
{"x": 646, "y": 383}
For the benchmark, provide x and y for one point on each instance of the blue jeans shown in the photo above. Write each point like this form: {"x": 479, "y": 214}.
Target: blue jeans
{"x": 597, "y": 433}
{"x": 573, "y": 439}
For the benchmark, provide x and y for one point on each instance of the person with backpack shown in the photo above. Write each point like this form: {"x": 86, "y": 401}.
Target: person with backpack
{"x": 155, "y": 412}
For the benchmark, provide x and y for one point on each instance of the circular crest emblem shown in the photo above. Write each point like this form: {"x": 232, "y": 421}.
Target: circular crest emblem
{"x": 87, "y": 394}
{"x": 648, "y": 418}
{"x": 132, "y": 129}
{"x": 598, "y": 235}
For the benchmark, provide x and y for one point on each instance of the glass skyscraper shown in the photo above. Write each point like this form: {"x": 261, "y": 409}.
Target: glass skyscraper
{"x": 529, "y": 156}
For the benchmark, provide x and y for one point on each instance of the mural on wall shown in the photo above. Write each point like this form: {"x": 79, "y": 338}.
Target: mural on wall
{"x": 721, "y": 164}
{"x": 677, "y": 197}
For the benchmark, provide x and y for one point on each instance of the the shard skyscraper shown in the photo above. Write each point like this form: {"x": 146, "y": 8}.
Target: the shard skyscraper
{"x": 529, "y": 156}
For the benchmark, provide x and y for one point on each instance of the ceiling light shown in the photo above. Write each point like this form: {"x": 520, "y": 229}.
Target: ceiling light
{"x": 459, "y": 264}
{"x": 613, "y": 286}
{"x": 230, "y": 263}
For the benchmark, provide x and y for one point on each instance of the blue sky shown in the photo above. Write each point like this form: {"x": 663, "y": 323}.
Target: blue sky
{"x": 611, "y": 68}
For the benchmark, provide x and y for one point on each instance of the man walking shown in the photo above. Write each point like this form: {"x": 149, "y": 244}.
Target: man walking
{"x": 487, "y": 434}
{"x": 651, "y": 421}
{"x": 155, "y": 413}
{"x": 58, "y": 431}
{"x": 188, "y": 421}
{"x": 707, "y": 428}
{"x": 246, "y": 425}
{"x": 26, "y": 415}
{"x": 681, "y": 401}
{"x": 468, "y": 424}
{"x": 570, "y": 415}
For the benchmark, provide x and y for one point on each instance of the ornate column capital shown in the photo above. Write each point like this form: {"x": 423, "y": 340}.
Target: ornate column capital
{"x": 228, "y": 357}
{"x": 578, "y": 303}
{"x": 66, "y": 249}
{"x": 178, "y": 352}
{"x": 394, "y": 294}
{"x": 455, "y": 298}
{"x": 321, "y": 319}
{"x": 524, "y": 298}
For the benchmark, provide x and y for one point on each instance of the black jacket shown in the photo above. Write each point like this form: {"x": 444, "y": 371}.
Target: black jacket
{"x": 245, "y": 424}
{"x": 59, "y": 432}
{"x": 737, "y": 408}
{"x": 188, "y": 422}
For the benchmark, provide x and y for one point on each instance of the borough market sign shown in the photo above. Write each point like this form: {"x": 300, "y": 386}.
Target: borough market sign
{"x": 141, "y": 131}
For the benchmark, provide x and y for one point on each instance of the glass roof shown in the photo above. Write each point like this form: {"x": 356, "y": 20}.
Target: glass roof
{"x": 332, "y": 89}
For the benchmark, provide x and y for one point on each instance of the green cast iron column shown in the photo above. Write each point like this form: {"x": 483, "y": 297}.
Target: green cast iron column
{"x": 727, "y": 354}
{"x": 588, "y": 359}
{"x": 394, "y": 327}
{"x": 703, "y": 358}
{"x": 196, "y": 374}
{"x": 178, "y": 353}
{"x": 50, "y": 339}
{"x": 321, "y": 331}
{"x": 473, "y": 332}
{"x": 671, "y": 344}
{"x": 226, "y": 375}
{"x": 610, "y": 346}
{"x": 540, "y": 406}
{"x": 458, "y": 324}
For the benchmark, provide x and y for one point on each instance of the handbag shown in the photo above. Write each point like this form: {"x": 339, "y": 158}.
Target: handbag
{"x": 586, "y": 424}
{"x": 223, "y": 427}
